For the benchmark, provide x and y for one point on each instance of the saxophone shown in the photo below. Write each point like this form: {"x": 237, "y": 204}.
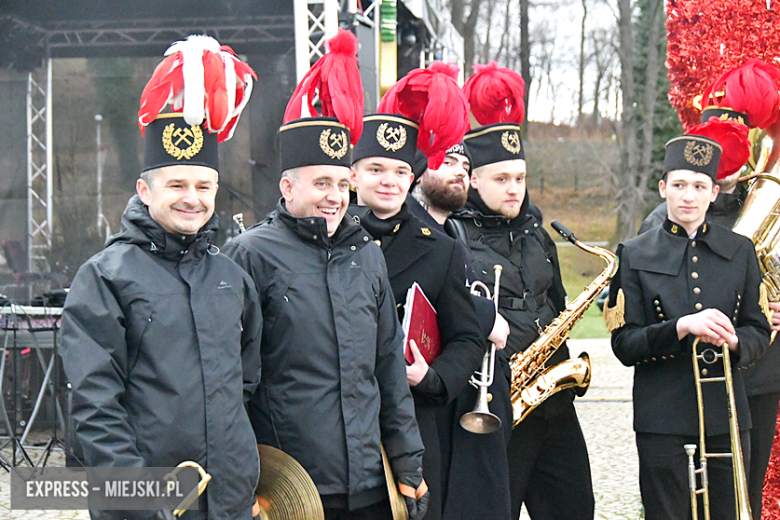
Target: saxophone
{"x": 532, "y": 381}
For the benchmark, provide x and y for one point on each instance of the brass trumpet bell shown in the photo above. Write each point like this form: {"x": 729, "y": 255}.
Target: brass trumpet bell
{"x": 285, "y": 491}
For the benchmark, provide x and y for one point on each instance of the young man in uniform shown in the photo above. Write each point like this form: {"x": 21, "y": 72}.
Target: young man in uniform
{"x": 334, "y": 385}
{"x": 160, "y": 332}
{"x": 475, "y": 466}
{"x": 686, "y": 279}
{"x": 382, "y": 176}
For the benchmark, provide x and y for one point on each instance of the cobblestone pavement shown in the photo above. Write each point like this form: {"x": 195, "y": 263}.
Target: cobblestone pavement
{"x": 604, "y": 412}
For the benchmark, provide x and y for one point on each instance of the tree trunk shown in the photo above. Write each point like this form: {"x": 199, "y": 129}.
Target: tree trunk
{"x": 581, "y": 96}
{"x": 628, "y": 196}
{"x": 525, "y": 58}
{"x": 466, "y": 26}
{"x": 651, "y": 91}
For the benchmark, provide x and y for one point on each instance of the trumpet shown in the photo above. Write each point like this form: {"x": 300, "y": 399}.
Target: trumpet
{"x": 710, "y": 356}
{"x": 480, "y": 420}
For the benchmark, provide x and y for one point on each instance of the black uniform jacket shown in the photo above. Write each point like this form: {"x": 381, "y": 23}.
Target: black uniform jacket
{"x": 665, "y": 275}
{"x": 486, "y": 310}
{"x": 160, "y": 341}
{"x": 334, "y": 376}
{"x": 531, "y": 292}
{"x": 763, "y": 376}
{"x": 415, "y": 253}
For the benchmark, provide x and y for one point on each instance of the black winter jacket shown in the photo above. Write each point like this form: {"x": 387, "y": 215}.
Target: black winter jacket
{"x": 531, "y": 291}
{"x": 160, "y": 341}
{"x": 334, "y": 377}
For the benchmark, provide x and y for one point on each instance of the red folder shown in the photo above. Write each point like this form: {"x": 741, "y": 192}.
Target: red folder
{"x": 420, "y": 324}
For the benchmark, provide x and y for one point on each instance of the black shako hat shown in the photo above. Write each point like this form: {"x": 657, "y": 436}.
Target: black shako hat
{"x": 387, "y": 135}
{"x": 494, "y": 143}
{"x": 420, "y": 165}
{"x": 724, "y": 113}
{"x": 171, "y": 141}
{"x": 693, "y": 152}
{"x": 314, "y": 141}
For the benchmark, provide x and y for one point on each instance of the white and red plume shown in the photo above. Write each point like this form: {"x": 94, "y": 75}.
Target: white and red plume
{"x": 433, "y": 98}
{"x": 335, "y": 79}
{"x": 202, "y": 80}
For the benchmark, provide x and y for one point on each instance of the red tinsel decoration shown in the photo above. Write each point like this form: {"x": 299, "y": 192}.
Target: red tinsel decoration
{"x": 708, "y": 38}
{"x": 771, "y": 509}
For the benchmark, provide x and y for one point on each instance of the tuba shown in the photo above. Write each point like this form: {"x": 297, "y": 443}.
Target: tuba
{"x": 708, "y": 357}
{"x": 759, "y": 219}
{"x": 532, "y": 380}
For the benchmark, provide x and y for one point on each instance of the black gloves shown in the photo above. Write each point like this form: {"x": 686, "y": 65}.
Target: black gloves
{"x": 416, "y": 496}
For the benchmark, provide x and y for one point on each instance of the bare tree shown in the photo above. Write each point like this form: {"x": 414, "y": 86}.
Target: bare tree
{"x": 603, "y": 56}
{"x": 581, "y": 96}
{"x": 466, "y": 25}
{"x": 629, "y": 196}
{"x": 545, "y": 61}
{"x": 651, "y": 89}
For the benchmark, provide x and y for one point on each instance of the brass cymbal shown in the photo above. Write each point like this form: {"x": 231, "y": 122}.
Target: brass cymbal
{"x": 285, "y": 491}
{"x": 397, "y": 505}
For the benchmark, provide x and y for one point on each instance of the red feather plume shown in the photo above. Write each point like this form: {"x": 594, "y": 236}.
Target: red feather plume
{"x": 751, "y": 89}
{"x": 336, "y": 79}
{"x": 732, "y": 137}
{"x": 204, "y": 81}
{"x": 432, "y": 98}
{"x": 495, "y": 94}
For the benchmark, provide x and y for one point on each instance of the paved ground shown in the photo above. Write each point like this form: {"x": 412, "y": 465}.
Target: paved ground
{"x": 605, "y": 414}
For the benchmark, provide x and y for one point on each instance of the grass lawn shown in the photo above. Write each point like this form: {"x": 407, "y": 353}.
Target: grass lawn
{"x": 589, "y": 215}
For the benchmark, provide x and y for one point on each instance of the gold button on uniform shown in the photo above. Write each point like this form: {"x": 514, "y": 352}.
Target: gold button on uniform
{"x": 695, "y": 259}
{"x": 694, "y": 275}
{"x": 698, "y": 306}
{"x": 658, "y": 309}
{"x": 693, "y": 244}
{"x": 696, "y": 290}
{"x": 656, "y": 302}
{"x": 378, "y": 242}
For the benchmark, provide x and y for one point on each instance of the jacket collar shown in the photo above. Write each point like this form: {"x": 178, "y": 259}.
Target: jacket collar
{"x": 378, "y": 227}
{"x": 477, "y": 209}
{"x": 139, "y": 228}
{"x": 314, "y": 230}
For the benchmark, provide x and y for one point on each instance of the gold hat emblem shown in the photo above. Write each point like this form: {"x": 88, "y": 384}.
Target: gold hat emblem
{"x": 391, "y": 139}
{"x": 511, "y": 142}
{"x": 173, "y": 137}
{"x": 698, "y": 154}
{"x": 335, "y": 145}
{"x": 727, "y": 117}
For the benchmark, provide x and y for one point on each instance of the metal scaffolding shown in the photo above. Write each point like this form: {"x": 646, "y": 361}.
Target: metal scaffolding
{"x": 315, "y": 22}
{"x": 39, "y": 167}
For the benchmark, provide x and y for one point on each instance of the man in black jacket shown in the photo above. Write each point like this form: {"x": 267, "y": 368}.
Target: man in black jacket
{"x": 334, "y": 387}
{"x": 382, "y": 177}
{"x": 548, "y": 461}
{"x": 160, "y": 335}
{"x": 689, "y": 278}
{"x": 762, "y": 378}
{"x": 474, "y": 466}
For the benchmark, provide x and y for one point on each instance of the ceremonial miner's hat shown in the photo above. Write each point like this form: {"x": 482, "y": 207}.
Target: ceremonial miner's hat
{"x": 693, "y": 152}
{"x": 207, "y": 87}
{"x": 421, "y": 161}
{"x": 310, "y": 138}
{"x": 495, "y": 96}
{"x": 725, "y": 114}
{"x": 426, "y": 110}
{"x": 750, "y": 90}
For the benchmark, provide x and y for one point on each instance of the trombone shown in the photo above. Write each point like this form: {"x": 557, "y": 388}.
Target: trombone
{"x": 709, "y": 356}
{"x": 480, "y": 420}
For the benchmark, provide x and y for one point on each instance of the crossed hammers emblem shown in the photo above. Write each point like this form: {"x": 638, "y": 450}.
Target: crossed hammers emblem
{"x": 183, "y": 134}
{"x": 337, "y": 140}
{"x": 394, "y": 133}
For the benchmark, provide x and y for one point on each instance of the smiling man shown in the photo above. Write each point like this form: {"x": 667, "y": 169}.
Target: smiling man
{"x": 688, "y": 278}
{"x": 160, "y": 332}
{"x": 334, "y": 385}
{"x": 382, "y": 176}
